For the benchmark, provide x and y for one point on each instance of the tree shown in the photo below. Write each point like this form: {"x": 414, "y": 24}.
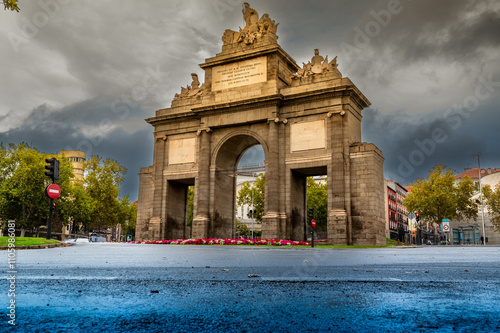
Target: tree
{"x": 242, "y": 228}
{"x": 190, "y": 206}
{"x": 128, "y": 215}
{"x": 102, "y": 181}
{"x": 492, "y": 201}
{"x": 95, "y": 200}
{"x": 439, "y": 197}
{"x": 81, "y": 206}
{"x": 317, "y": 198}
{"x": 22, "y": 186}
{"x": 252, "y": 194}
{"x": 10, "y": 4}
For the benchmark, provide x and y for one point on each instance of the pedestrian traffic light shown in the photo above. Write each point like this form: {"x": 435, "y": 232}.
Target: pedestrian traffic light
{"x": 310, "y": 213}
{"x": 53, "y": 167}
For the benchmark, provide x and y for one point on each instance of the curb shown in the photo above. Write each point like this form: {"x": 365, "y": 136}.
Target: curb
{"x": 36, "y": 247}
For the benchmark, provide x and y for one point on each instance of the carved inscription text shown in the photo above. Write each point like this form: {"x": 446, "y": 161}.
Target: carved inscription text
{"x": 239, "y": 74}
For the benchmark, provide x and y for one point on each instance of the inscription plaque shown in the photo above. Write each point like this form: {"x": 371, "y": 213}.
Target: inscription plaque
{"x": 308, "y": 135}
{"x": 182, "y": 151}
{"x": 239, "y": 74}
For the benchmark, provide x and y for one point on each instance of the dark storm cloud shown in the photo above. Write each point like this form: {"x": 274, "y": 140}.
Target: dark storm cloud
{"x": 419, "y": 56}
{"x": 96, "y": 69}
{"x": 455, "y": 30}
{"x": 89, "y": 126}
{"x": 413, "y": 144}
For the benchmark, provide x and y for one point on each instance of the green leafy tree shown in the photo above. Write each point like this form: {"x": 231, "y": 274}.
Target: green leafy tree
{"x": 252, "y": 194}
{"x": 439, "y": 197}
{"x": 317, "y": 197}
{"x": 22, "y": 187}
{"x": 190, "y": 208}
{"x": 127, "y": 215}
{"x": 492, "y": 201}
{"x": 11, "y": 4}
{"x": 102, "y": 181}
{"x": 80, "y": 207}
{"x": 242, "y": 228}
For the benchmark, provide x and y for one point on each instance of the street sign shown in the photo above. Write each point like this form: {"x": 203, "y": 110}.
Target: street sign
{"x": 446, "y": 226}
{"x": 53, "y": 191}
{"x": 313, "y": 223}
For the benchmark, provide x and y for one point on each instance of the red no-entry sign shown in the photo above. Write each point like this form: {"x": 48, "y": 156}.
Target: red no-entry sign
{"x": 313, "y": 223}
{"x": 53, "y": 191}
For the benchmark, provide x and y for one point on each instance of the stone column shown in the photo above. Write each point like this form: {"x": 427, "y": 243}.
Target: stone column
{"x": 201, "y": 220}
{"x": 271, "y": 219}
{"x": 337, "y": 225}
{"x": 282, "y": 179}
{"x": 156, "y": 223}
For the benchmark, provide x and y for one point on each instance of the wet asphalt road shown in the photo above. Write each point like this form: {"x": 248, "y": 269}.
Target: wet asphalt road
{"x": 167, "y": 288}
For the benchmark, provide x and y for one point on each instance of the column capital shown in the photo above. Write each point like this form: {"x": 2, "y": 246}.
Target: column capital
{"x": 341, "y": 113}
{"x": 161, "y": 137}
{"x": 277, "y": 120}
{"x": 206, "y": 129}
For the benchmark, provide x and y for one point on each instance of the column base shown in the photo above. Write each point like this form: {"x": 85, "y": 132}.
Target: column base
{"x": 271, "y": 225}
{"x": 200, "y": 227}
{"x": 337, "y": 227}
{"x": 154, "y": 228}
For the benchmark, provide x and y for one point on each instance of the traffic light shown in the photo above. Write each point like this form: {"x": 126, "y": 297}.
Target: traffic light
{"x": 53, "y": 167}
{"x": 310, "y": 213}
{"x": 417, "y": 217}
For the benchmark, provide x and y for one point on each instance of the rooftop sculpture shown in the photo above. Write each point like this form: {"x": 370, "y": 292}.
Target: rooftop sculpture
{"x": 264, "y": 29}
{"x": 254, "y": 29}
{"x": 318, "y": 65}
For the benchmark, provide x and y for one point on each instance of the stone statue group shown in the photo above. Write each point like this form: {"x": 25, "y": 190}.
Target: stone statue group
{"x": 254, "y": 28}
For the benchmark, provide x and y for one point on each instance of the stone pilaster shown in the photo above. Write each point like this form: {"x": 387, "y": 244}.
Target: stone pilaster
{"x": 367, "y": 186}
{"x": 271, "y": 220}
{"x": 337, "y": 224}
{"x": 201, "y": 221}
{"x": 282, "y": 178}
{"x": 157, "y": 219}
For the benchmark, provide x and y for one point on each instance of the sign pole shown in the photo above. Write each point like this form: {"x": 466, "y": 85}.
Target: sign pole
{"x": 312, "y": 238}
{"x": 49, "y": 228}
{"x": 313, "y": 225}
{"x": 446, "y": 228}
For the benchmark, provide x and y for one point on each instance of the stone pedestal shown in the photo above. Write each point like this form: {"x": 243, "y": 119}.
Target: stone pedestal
{"x": 200, "y": 227}
{"x": 337, "y": 227}
{"x": 270, "y": 226}
{"x": 154, "y": 230}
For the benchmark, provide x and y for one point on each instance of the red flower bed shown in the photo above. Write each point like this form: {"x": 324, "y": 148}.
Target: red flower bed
{"x": 214, "y": 241}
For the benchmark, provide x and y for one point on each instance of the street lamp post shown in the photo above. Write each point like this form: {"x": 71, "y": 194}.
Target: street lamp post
{"x": 481, "y": 195}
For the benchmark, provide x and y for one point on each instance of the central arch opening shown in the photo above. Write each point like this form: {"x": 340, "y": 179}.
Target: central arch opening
{"x": 250, "y": 193}
{"x": 238, "y": 157}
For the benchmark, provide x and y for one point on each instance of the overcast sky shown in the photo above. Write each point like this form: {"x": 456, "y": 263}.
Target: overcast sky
{"x": 85, "y": 74}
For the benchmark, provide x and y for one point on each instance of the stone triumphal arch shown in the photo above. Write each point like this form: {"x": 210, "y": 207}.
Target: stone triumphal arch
{"x": 308, "y": 121}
